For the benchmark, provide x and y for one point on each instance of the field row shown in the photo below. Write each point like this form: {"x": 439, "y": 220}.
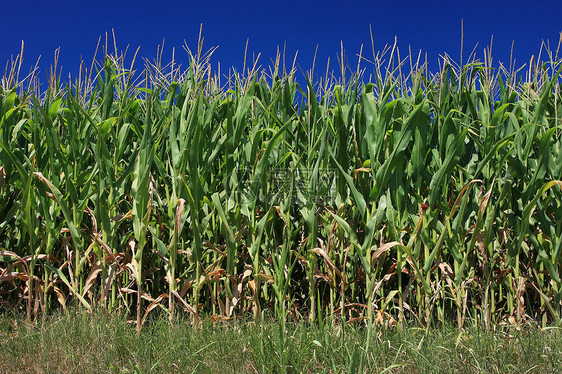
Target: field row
{"x": 416, "y": 196}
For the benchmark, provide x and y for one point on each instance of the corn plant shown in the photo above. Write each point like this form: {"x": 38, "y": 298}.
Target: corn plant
{"x": 398, "y": 196}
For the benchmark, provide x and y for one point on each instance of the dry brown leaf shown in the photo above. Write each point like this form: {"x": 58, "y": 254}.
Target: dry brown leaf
{"x": 144, "y": 295}
{"x": 519, "y": 298}
{"x": 107, "y": 249}
{"x": 280, "y": 214}
{"x": 188, "y": 307}
{"x": 2, "y": 176}
{"x": 13, "y": 275}
{"x": 109, "y": 280}
{"x": 252, "y": 285}
{"x": 237, "y": 292}
{"x": 91, "y": 278}
{"x": 382, "y": 250}
{"x": 179, "y": 213}
{"x": 329, "y": 262}
{"x": 61, "y": 297}
{"x": 153, "y": 305}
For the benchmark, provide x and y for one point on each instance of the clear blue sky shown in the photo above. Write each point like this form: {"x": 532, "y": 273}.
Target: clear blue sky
{"x": 434, "y": 27}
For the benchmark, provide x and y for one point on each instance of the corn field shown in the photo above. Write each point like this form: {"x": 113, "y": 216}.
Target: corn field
{"x": 388, "y": 195}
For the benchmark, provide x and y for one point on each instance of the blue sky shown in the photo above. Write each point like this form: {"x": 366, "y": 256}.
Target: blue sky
{"x": 433, "y": 27}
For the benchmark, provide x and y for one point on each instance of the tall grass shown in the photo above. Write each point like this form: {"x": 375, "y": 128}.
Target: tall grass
{"x": 388, "y": 194}
{"x": 102, "y": 342}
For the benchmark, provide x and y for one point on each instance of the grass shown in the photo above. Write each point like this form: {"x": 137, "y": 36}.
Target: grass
{"x": 107, "y": 343}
